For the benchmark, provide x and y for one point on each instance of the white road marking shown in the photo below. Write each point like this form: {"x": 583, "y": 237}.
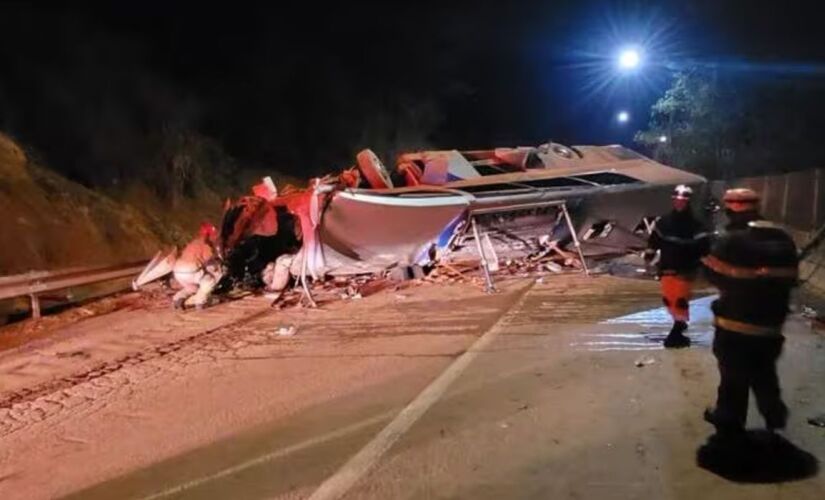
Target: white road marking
{"x": 640, "y": 348}
{"x": 643, "y": 342}
{"x": 615, "y": 335}
{"x": 356, "y": 467}
{"x": 309, "y": 443}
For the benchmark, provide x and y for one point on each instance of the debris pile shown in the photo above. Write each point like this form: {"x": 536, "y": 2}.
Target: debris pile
{"x": 551, "y": 258}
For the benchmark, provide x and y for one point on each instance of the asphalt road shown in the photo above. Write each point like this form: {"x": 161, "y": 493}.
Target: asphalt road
{"x": 558, "y": 389}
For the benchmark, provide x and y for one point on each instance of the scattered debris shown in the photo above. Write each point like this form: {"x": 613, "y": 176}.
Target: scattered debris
{"x": 809, "y": 312}
{"x": 286, "y": 331}
{"x": 553, "y": 267}
{"x": 73, "y": 354}
{"x": 373, "y": 287}
{"x": 818, "y": 421}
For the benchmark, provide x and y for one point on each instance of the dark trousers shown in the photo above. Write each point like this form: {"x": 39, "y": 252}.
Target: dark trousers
{"x": 747, "y": 362}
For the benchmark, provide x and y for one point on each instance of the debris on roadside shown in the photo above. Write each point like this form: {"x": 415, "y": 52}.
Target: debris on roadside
{"x": 817, "y": 421}
{"x": 809, "y": 312}
{"x": 73, "y": 354}
{"x": 553, "y": 267}
{"x": 286, "y": 331}
{"x": 373, "y": 287}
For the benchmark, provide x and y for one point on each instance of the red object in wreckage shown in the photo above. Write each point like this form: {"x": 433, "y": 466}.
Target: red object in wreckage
{"x": 208, "y": 230}
{"x": 299, "y": 204}
{"x": 412, "y": 174}
{"x": 373, "y": 170}
{"x": 350, "y": 177}
{"x": 306, "y": 206}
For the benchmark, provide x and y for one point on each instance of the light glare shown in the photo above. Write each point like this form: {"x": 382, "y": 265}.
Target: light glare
{"x": 629, "y": 59}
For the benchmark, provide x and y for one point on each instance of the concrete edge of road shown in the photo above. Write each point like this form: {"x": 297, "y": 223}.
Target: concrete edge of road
{"x": 342, "y": 481}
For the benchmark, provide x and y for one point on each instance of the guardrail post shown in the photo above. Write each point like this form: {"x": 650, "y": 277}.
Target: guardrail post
{"x": 35, "y": 306}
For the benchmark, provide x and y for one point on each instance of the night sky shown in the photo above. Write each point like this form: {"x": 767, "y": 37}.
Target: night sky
{"x": 302, "y": 88}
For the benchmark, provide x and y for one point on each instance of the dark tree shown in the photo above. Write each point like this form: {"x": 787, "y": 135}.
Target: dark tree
{"x": 735, "y": 125}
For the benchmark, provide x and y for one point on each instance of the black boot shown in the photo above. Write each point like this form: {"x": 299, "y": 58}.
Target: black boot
{"x": 710, "y": 416}
{"x": 726, "y": 433}
{"x": 676, "y": 338}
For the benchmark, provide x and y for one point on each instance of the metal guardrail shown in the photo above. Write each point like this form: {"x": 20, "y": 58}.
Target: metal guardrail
{"x": 35, "y": 283}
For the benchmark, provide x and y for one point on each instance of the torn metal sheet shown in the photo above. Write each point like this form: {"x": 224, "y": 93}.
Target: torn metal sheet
{"x": 161, "y": 265}
{"x": 362, "y": 232}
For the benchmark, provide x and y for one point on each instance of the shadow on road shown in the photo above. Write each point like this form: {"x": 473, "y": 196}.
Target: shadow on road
{"x": 756, "y": 457}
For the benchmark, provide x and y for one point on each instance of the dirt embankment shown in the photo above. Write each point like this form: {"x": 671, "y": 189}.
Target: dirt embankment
{"x": 50, "y": 222}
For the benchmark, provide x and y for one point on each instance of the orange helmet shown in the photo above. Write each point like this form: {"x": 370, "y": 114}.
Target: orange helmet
{"x": 741, "y": 199}
{"x": 208, "y": 231}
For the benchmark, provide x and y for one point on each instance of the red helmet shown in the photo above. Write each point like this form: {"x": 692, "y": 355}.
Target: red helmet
{"x": 208, "y": 231}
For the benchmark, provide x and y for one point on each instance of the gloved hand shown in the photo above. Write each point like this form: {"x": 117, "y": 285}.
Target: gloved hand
{"x": 214, "y": 267}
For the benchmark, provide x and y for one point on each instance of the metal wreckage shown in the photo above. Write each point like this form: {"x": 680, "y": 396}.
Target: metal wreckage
{"x": 438, "y": 207}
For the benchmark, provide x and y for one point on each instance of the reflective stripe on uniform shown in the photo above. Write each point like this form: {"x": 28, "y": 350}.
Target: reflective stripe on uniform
{"x": 724, "y": 268}
{"x": 746, "y": 328}
{"x": 678, "y": 240}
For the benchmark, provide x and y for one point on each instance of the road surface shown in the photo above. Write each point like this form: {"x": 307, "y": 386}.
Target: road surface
{"x": 551, "y": 389}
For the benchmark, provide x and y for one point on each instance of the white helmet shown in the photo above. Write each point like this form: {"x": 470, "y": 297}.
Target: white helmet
{"x": 682, "y": 192}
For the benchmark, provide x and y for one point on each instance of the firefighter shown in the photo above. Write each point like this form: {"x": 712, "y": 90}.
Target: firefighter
{"x": 681, "y": 241}
{"x": 754, "y": 265}
{"x": 198, "y": 269}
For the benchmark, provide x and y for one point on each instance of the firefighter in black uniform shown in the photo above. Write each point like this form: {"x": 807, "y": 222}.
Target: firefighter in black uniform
{"x": 754, "y": 264}
{"x": 682, "y": 240}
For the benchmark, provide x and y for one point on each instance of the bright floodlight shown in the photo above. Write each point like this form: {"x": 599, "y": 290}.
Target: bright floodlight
{"x": 629, "y": 59}
{"x": 623, "y": 117}
{"x": 662, "y": 138}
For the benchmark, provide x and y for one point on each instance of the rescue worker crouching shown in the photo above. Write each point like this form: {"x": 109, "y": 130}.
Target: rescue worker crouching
{"x": 681, "y": 240}
{"x": 754, "y": 265}
{"x": 198, "y": 269}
